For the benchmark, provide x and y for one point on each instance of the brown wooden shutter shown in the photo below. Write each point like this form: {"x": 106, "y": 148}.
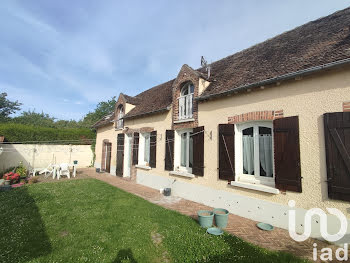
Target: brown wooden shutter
{"x": 120, "y": 154}
{"x": 337, "y": 142}
{"x": 135, "y": 148}
{"x": 227, "y": 152}
{"x": 153, "y": 150}
{"x": 198, "y": 151}
{"x": 287, "y": 154}
{"x": 169, "y": 150}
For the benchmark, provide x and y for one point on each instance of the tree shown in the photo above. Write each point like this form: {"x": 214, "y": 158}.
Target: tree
{"x": 102, "y": 109}
{"x": 34, "y": 118}
{"x": 7, "y": 107}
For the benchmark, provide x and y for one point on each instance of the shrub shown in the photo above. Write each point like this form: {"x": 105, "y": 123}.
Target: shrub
{"x": 31, "y": 134}
{"x": 13, "y": 177}
{"x": 21, "y": 170}
{"x": 33, "y": 180}
{"x": 10, "y": 169}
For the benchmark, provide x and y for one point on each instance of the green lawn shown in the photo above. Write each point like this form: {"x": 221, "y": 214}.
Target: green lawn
{"x": 91, "y": 221}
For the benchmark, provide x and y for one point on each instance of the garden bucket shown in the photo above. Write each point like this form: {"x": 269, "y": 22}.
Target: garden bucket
{"x": 221, "y": 217}
{"x": 205, "y": 218}
{"x": 167, "y": 191}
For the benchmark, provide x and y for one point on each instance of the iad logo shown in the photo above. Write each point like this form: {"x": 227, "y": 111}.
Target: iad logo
{"x": 327, "y": 253}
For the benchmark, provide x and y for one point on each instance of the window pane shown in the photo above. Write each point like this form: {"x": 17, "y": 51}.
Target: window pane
{"x": 185, "y": 90}
{"x": 184, "y": 149}
{"x": 248, "y": 151}
{"x": 191, "y": 88}
{"x": 147, "y": 146}
{"x": 185, "y": 106}
{"x": 190, "y": 150}
{"x": 265, "y": 151}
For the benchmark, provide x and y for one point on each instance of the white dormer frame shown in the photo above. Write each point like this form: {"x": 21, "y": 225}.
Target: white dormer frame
{"x": 120, "y": 120}
{"x": 186, "y": 102}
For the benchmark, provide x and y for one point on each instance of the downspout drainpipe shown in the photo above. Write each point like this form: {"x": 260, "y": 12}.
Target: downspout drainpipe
{"x": 288, "y": 76}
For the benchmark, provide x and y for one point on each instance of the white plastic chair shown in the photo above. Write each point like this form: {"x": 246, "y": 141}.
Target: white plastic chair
{"x": 47, "y": 171}
{"x": 63, "y": 170}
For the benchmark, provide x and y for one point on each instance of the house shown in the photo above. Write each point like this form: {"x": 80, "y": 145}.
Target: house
{"x": 265, "y": 126}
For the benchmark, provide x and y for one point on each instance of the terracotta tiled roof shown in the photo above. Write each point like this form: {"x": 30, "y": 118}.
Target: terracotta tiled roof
{"x": 131, "y": 100}
{"x": 316, "y": 43}
{"x": 108, "y": 119}
{"x": 153, "y": 100}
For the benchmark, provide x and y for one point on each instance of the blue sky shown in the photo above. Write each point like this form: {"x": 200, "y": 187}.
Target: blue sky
{"x": 63, "y": 57}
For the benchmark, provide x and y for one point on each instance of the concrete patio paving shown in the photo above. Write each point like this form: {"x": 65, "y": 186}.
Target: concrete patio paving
{"x": 278, "y": 239}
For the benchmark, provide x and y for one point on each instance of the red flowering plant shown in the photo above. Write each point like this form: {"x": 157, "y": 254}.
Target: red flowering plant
{"x": 8, "y": 176}
{"x": 13, "y": 177}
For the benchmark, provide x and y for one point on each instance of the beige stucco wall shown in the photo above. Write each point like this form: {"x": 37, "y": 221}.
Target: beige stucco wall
{"x": 42, "y": 155}
{"x": 308, "y": 98}
{"x": 106, "y": 133}
{"x": 203, "y": 84}
{"x": 128, "y": 107}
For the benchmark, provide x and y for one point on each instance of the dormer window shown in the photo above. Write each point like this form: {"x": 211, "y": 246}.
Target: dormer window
{"x": 120, "y": 115}
{"x": 186, "y": 102}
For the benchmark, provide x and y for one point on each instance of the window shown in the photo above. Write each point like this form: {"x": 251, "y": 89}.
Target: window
{"x": 184, "y": 151}
{"x": 120, "y": 121}
{"x": 186, "y": 102}
{"x": 144, "y": 149}
{"x": 255, "y": 161}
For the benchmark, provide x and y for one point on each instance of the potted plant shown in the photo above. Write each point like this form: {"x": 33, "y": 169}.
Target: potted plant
{"x": 21, "y": 170}
{"x": 15, "y": 178}
{"x": 7, "y": 178}
{"x": 11, "y": 178}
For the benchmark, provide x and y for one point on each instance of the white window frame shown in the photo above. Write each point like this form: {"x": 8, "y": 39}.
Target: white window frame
{"x": 186, "y": 112}
{"x": 142, "y": 148}
{"x": 256, "y": 178}
{"x": 120, "y": 120}
{"x": 177, "y": 152}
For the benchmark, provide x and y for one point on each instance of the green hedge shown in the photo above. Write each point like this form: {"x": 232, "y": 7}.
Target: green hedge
{"x": 31, "y": 134}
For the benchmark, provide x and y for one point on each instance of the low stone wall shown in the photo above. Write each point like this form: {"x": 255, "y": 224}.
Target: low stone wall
{"x": 42, "y": 155}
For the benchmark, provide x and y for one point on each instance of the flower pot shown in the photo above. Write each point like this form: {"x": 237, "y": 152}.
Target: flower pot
{"x": 221, "y": 217}
{"x": 7, "y": 182}
{"x": 205, "y": 218}
{"x": 75, "y": 162}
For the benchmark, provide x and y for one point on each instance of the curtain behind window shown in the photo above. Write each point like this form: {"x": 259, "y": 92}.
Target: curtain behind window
{"x": 147, "y": 145}
{"x": 265, "y": 153}
{"x": 248, "y": 154}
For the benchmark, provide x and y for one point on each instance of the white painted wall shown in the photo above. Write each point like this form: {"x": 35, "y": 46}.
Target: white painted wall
{"x": 41, "y": 155}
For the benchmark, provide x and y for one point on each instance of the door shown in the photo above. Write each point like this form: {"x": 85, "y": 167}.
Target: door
{"x": 120, "y": 155}
{"x": 108, "y": 157}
